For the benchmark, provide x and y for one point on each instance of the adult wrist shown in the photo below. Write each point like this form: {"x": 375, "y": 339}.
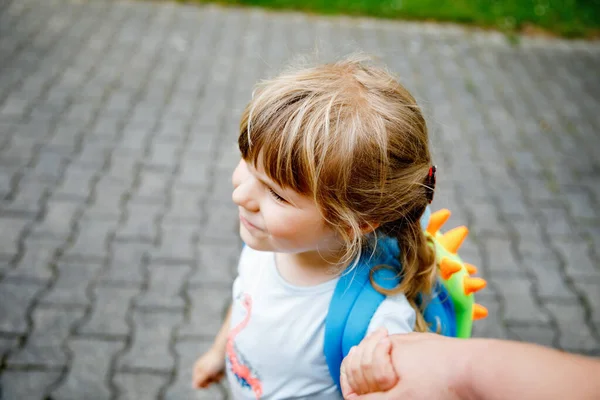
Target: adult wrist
{"x": 467, "y": 371}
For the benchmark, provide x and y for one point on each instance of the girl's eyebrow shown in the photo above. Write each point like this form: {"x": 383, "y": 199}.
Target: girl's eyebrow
{"x": 263, "y": 178}
{"x": 268, "y": 182}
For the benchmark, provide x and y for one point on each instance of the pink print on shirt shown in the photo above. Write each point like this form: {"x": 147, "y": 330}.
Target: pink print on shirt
{"x": 241, "y": 369}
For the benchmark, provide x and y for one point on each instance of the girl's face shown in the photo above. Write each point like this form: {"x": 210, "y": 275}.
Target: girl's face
{"x": 277, "y": 219}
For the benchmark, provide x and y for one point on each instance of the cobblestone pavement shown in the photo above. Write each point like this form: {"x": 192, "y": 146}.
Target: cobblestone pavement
{"x": 117, "y": 234}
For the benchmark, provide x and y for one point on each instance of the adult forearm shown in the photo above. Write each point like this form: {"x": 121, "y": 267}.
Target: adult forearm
{"x": 511, "y": 370}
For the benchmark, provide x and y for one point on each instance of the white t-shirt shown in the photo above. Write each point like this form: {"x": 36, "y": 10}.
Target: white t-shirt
{"x": 275, "y": 344}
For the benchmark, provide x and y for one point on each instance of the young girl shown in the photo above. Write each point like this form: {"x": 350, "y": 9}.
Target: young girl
{"x": 333, "y": 158}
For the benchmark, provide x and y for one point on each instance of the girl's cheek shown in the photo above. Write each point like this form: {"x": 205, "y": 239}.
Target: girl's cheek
{"x": 282, "y": 224}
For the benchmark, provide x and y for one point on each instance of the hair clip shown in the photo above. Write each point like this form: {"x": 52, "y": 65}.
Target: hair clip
{"x": 430, "y": 183}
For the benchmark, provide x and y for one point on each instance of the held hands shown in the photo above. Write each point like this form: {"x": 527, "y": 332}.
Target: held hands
{"x": 208, "y": 369}
{"x": 405, "y": 366}
{"x": 368, "y": 367}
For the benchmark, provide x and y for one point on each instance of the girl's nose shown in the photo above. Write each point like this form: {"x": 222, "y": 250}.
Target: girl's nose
{"x": 244, "y": 188}
{"x": 243, "y": 196}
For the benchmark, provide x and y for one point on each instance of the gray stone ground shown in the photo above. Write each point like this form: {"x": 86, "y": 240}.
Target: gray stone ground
{"x": 118, "y": 123}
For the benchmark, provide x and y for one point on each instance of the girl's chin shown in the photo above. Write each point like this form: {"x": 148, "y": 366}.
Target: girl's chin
{"x": 254, "y": 242}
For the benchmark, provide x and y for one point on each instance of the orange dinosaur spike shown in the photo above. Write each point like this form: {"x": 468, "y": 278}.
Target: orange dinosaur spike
{"x": 479, "y": 311}
{"x": 437, "y": 219}
{"x": 452, "y": 239}
{"x": 471, "y": 269}
{"x": 449, "y": 267}
{"x": 473, "y": 285}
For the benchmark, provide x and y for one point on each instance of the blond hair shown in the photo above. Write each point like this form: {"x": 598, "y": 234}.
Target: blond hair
{"x": 352, "y": 137}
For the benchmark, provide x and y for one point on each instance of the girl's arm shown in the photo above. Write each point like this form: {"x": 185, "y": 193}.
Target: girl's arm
{"x": 210, "y": 367}
{"x": 221, "y": 338}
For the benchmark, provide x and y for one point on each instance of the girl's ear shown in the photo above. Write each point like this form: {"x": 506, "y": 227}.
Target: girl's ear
{"x": 368, "y": 228}
{"x": 364, "y": 229}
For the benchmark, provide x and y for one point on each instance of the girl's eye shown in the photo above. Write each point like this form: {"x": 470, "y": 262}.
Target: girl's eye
{"x": 276, "y": 196}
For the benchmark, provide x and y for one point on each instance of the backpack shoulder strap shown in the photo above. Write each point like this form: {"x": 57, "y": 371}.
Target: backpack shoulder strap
{"x": 353, "y": 304}
{"x": 347, "y": 290}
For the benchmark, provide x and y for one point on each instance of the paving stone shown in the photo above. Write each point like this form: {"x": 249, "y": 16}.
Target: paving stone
{"x": 532, "y": 242}
{"x": 186, "y": 205}
{"x": 30, "y": 385}
{"x": 217, "y": 264}
{"x": 187, "y": 354}
{"x": 95, "y": 152}
{"x": 6, "y": 345}
{"x": 579, "y": 264}
{"x": 486, "y": 219}
{"x": 574, "y": 333}
{"x": 544, "y": 335}
{"x": 164, "y": 287}
{"x": 135, "y": 138}
{"x": 580, "y": 203}
{"x": 16, "y": 298}
{"x": 66, "y": 139}
{"x": 177, "y": 243}
{"x": 28, "y": 200}
{"x": 150, "y": 342}
{"x": 153, "y": 187}
{"x": 87, "y": 377}
{"x": 109, "y": 312}
{"x": 123, "y": 165}
{"x": 222, "y": 222}
{"x": 92, "y": 237}
{"x": 57, "y": 221}
{"x": 125, "y": 265}
{"x": 501, "y": 259}
{"x": 77, "y": 183}
{"x": 164, "y": 155}
{"x": 206, "y": 320}
{"x": 139, "y": 386}
{"x": 70, "y": 287}
{"x": 49, "y": 167}
{"x": 194, "y": 170}
{"x": 43, "y": 346}
{"x": 519, "y": 303}
{"x": 141, "y": 224}
{"x": 21, "y": 149}
{"x": 549, "y": 280}
{"x": 591, "y": 293}
{"x": 10, "y": 230}
{"x": 556, "y": 222}
{"x": 108, "y": 196}
{"x": 6, "y": 177}
{"x": 222, "y": 187}
{"x": 37, "y": 259}
{"x": 203, "y": 141}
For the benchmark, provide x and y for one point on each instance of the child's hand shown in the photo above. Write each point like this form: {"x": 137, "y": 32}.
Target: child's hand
{"x": 208, "y": 369}
{"x": 368, "y": 367}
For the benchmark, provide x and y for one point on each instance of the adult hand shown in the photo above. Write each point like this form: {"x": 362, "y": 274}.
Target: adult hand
{"x": 429, "y": 366}
{"x": 368, "y": 368}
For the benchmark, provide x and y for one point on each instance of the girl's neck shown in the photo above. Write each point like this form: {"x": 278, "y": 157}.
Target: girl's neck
{"x": 309, "y": 268}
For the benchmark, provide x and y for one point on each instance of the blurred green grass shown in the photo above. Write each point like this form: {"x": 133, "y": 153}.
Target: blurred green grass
{"x": 567, "y": 18}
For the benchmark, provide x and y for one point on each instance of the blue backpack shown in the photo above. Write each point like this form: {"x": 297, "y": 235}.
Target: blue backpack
{"x": 355, "y": 300}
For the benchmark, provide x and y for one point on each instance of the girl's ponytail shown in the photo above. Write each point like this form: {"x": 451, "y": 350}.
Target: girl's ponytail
{"x": 417, "y": 259}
